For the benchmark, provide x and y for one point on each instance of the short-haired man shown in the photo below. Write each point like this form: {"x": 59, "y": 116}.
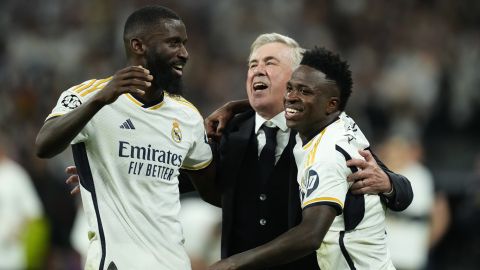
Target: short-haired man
{"x": 347, "y": 232}
{"x": 131, "y": 134}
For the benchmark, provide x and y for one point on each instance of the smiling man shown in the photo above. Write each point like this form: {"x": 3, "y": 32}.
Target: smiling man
{"x": 131, "y": 134}
{"x": 327, "y": 137}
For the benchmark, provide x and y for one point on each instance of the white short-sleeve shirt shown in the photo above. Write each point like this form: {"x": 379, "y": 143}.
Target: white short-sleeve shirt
{"x": 128, "y": 157}
{"x": 322, "y": 178}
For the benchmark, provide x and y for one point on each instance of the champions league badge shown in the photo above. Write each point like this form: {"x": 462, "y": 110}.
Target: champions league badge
{"x": 71, "y": 102}
{"x": 176, "y": 132}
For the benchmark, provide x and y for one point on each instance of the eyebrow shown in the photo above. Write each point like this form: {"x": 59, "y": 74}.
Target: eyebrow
{"x": 266, "y": 59}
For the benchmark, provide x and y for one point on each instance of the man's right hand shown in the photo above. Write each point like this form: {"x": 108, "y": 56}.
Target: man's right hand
{"x": 215, "y": 123}
{"x": 73, "y": 179}
{"x": 128, "y": 80}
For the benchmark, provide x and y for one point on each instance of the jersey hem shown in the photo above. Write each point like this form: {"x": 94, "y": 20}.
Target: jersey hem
{"x": 199, "y": 166}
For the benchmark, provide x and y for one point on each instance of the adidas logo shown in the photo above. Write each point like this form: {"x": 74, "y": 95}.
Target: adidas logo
{"x": 127, "y": 124}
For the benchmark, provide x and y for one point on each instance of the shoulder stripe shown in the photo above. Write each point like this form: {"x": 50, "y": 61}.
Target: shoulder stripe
{"x": 82, "y": 86}
{"x": 94, "y": 87}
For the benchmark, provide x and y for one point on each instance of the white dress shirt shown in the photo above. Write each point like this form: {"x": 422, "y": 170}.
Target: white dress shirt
{"x": 283, "y": 133}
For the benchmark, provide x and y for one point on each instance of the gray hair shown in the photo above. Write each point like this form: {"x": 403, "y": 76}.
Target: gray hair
{"x": 263, "y": 39}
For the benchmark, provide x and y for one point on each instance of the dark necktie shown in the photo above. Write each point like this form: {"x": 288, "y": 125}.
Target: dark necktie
{"x": 267, "y": 156}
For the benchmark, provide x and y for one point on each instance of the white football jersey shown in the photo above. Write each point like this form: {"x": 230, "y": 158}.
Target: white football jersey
{"x": 322, "y": 179}
{"x": 128, "y": 157}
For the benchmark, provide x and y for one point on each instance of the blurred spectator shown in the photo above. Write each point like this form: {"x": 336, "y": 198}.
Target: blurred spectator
{"x": 201, "y": 224}
{"x": 23, "y": 231}
{"x": 461, "y": 243}
{"x": 412, "y": 231}
{"x": 79, "y": 234}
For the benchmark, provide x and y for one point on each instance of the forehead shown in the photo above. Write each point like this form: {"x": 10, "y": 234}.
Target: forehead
{"x": 275, "y": 50}
{"x": 306, "y": 75}
{"x": 168, "y": 28}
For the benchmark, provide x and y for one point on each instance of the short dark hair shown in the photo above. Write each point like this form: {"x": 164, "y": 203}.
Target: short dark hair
{"x": 141, "y": 19}
{"x": 334, "y": 68}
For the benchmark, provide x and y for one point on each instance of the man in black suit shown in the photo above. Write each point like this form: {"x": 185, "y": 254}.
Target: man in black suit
{"x": 259, "y": 204}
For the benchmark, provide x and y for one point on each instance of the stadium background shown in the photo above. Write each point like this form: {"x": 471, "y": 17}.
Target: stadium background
{"x": 415, "y": 63}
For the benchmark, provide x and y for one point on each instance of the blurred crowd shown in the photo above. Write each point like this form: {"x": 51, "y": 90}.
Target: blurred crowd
{"x": 416, "y": 76}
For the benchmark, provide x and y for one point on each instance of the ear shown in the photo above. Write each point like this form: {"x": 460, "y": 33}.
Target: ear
{"x": 332, "y": 105}
{"x": 137, "y": 46}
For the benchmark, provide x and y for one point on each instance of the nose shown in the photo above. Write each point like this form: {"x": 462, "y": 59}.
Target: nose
{"x": 183, "y": 53}
{"x": 291, "y": 95}
{"x": 259, "y": 69}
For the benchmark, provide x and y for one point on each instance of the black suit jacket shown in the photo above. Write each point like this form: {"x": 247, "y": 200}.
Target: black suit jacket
{"x": 230, "y": 153}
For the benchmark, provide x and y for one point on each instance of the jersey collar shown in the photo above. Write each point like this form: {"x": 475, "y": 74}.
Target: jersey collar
{"x": 150, "y": 106}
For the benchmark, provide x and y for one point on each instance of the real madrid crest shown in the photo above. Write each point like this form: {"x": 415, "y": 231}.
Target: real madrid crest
{"x": 176, "y": 132}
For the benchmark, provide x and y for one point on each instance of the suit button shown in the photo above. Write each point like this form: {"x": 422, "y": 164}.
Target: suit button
{"x": 263, "y": 222}
{"x": 262, "y": 197}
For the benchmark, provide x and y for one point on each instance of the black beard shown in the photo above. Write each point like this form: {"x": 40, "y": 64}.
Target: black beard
{"x": 162, "y": 76}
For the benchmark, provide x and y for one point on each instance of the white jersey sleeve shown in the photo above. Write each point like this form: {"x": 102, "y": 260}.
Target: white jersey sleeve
{"x": 325, "y": 183}
{"x": 200, "y": 154}
{"x": 75, "y": 96}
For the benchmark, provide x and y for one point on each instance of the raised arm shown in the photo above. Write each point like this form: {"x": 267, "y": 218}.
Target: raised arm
{"x": 293, "y": 244}
{"x": 375, "y": 178}
{"x": 216, "y": 122}
{"x": 57, "y": 133}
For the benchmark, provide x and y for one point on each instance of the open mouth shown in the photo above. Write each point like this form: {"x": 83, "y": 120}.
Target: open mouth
{"x": 178, "y": 68}
{"x": 291, "y": 113}
{"x": 259, "y": 86}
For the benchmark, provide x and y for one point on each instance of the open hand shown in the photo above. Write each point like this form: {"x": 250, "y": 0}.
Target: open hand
{"x": 370, "y": 179}
{"x": 133, "y": 80}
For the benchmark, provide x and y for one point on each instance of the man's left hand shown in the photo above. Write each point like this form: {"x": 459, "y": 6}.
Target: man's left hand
{"x": 370, "y": 179}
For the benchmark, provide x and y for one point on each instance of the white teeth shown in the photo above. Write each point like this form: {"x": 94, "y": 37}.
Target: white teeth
{"x": 290, "y": 110}
{"x": 258, "y": 84}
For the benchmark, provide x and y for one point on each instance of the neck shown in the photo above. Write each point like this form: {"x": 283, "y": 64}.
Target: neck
{"x": 268, "y": 115}
{"x": 152, "y": 94}
{"x": 308, "y": 135}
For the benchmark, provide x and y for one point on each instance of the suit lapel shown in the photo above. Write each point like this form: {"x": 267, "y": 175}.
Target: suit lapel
{"x": 238, "y": 142}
